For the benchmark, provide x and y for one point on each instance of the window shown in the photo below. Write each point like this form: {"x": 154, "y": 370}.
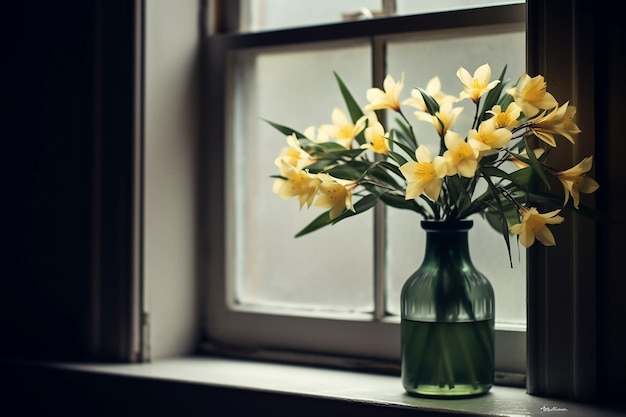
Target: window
{"x": 346, "y": 308}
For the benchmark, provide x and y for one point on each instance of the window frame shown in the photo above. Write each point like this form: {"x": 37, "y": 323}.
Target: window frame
{"x": 228, "y": 330}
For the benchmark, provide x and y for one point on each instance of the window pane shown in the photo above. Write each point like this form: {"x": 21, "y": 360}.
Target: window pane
{"x": 330, "y": 269}
{"x": 441, "y": 54}
{"x": 418, "y": 7}
{"x": 257, "y": 15}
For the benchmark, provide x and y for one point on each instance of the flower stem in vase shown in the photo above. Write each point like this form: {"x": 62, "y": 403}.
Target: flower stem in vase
{"x": 447, "y": 359}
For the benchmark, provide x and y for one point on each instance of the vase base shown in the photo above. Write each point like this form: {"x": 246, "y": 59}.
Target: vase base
{"x": 458, "y": 391}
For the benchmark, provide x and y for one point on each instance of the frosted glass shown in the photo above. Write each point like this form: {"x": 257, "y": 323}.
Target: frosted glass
{"x": 278, "y": 14}
{"x": 258, "y": 15}
{"x": 404, "y": 7}
{"x": 441, "y": 54}
{"x": 330, "y": 269}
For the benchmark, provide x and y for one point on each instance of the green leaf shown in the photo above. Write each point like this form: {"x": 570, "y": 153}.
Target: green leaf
{"x": 360, "y": 206}
{"x": 399, "y": 159}
{"x": 318, "y": 166}
{"x": 324, "y": 220}
{"x": 494, "y": 217}
{"x": 538, "y": 197}
{"x": 518, "y": 147}
{"x": 433, "y": 206}
{"x": 405, "y": 133}
{"x": 339, "y": 155}
{"x": 284, "y": 129}
{"x": 497, "y": 172}
{"x": 431, "y": 104}
{"x": 505, "y": 101}
{"x": 391, "y": 167}
{"x": 489, "y": 159}
{"x": 410, "y": 152}
{"x": 399, "y": 202}
{"x": 493, "y": 96}
{"x": 503, "y": 227}
{"x": 319, "y": 222}
{"x": 381, "y": 174}
{"x": 329, "y": 147}
{"x": 332, "y": 150}
{"x": 349, "y": 171}
{"x": 536, "y": 165}
{"x": 350, "y": 153}
{"x": 457, "y": 190}
{"x": 524, "y": 177}
{"x": 353, "y": 107}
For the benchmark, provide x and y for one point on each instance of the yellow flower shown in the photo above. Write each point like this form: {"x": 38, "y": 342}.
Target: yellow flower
{"x": 507, "y": 118}
{"x": 376, "y": 136}
{"x": 336, "y": 194}
{"x": 297, "y": 183}
{"x": 443, "y": 119}
{"x": 294, "y": 155}
{"x": 575, "y": 181}
{"x": 531, "y": 95}
{"x": 533, "y": 226}
{"x": 460, "y": 156}
{"x": 433, "y": 89}
{"x": 342, "y": 129}
{"x": 316, "y": 135}
{"x": 488, "y": 136}
{"x": 556, "y": 122}
{"x": 568, "y": 126}
{"x": 478, "y": 85}
{"x": 424, "y": 176}
{"x": 387, "y": 99}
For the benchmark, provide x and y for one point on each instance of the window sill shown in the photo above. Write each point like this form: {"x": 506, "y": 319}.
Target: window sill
{"x": 202, "y": 385}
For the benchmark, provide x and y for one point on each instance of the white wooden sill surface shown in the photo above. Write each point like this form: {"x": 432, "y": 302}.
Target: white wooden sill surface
{"x": 353, "y": 387}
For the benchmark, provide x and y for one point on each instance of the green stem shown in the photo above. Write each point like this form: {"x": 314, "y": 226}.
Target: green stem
{"x": 413, "y": 138}
{"x": 422, "y": 354}
{"x": 447, "y": 364}
{"x": 486, "y": 336}
{"x": 475, "y": 122}
{"x": 468, "y": 359}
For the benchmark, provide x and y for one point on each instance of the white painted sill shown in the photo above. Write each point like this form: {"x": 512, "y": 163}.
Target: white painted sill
{"x": 373, "y": 391}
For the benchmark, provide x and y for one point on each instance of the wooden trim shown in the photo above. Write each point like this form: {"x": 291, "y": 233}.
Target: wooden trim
{"x": 562, "y": 279}
{"x": 117, "y": 197}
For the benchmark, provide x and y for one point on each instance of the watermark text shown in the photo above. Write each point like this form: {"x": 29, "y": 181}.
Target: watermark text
{"x": 546, "y": 409}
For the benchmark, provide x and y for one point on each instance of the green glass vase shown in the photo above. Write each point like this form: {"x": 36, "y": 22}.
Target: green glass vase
{"x": 447, "y": 324}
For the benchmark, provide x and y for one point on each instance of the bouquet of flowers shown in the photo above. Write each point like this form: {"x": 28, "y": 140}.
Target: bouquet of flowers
{"x": 495, "y": 169}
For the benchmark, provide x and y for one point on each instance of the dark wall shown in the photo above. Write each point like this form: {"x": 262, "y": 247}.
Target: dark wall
{"x": 48, "y": 107}
{"x": 67, "y": 112}
{"x": 610, "y": 67}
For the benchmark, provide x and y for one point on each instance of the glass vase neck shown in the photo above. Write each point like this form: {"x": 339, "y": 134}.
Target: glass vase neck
{"x": 447, "y": 225}
{"x": 447, "y": 240}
